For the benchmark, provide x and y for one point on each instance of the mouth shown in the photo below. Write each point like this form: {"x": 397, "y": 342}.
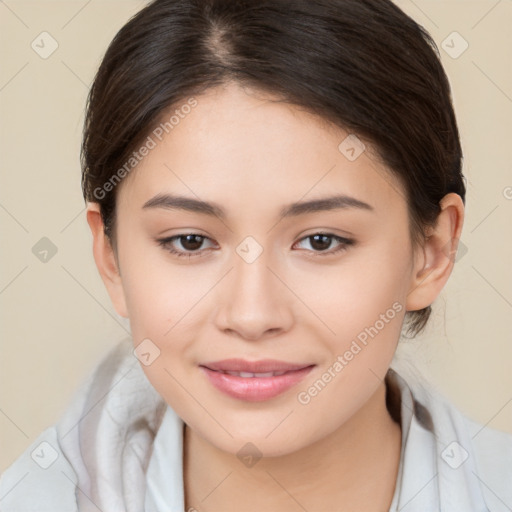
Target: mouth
{"x": 246, "y": 375}
{"x": 254, "y": 381}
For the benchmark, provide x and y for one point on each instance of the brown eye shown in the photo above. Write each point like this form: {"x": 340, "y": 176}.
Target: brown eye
{"x": 321, "y": 242}
{"x": 186, "y": 245}
{"x": 191, "y": 242}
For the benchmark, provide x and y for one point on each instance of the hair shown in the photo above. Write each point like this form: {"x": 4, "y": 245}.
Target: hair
{"x": 363, "y": 65}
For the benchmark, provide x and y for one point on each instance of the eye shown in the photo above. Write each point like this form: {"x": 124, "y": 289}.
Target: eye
{"x": 190, "y": 243}
{"x": 321, "y": 242}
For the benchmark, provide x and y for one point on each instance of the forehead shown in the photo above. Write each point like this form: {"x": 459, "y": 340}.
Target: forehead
{"x": 237, "y": 146}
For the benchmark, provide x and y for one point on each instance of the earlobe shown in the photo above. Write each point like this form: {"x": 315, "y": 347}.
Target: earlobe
{"x": 105, "y": 259}
{"x": 434, "y": 263}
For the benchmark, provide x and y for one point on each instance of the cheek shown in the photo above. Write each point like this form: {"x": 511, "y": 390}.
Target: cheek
{"x": 351, "y": 296}
{"x": 365, "y": 309}
{"x": 158, "y": 291}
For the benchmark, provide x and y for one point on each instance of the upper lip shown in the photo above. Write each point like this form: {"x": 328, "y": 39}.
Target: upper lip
{"x": 262, "y": 366}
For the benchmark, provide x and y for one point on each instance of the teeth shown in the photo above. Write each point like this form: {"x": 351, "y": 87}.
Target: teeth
{"x": 251, "y": 375}
{"x": 247, "y": 374}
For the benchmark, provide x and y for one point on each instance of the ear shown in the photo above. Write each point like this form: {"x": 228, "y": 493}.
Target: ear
{"x": 106, "y": 260}
{"x": 434, "y": 263}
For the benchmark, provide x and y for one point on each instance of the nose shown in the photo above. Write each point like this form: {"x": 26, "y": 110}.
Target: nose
{"x": 254, "y": 303}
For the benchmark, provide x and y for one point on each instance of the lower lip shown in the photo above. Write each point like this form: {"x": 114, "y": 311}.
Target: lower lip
{"x": 255, "y": 389}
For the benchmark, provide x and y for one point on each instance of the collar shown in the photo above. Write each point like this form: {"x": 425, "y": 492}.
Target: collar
{"x": 432, "y": 474}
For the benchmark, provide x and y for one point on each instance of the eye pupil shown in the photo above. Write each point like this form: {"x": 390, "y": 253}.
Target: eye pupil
{"x": 191, "y": 242}
{"x": 321, "y": 242}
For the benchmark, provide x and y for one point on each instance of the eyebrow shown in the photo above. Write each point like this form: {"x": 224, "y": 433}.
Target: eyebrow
{"x": 174, "y": 202}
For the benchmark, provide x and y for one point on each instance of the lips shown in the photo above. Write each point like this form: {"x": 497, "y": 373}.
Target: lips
{"x": 262, "y": 366}
{"x": 252, "y": 375}
{"x": 254, "y": 381}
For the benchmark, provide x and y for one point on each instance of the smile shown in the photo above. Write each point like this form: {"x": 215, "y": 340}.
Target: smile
{"x": 254, "y": 386}
{"x": 251, "y": 375}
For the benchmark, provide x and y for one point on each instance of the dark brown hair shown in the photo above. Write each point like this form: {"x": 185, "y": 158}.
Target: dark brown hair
{"x": 362, "y": 64}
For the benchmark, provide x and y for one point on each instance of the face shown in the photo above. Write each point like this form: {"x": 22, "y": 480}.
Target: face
{"x": 320, "y": 289}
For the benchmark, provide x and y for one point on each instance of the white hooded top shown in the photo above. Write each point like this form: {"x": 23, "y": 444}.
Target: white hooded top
{"x": 119, "y": 448}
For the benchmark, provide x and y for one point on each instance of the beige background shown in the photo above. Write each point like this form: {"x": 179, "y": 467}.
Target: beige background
{"x": 56, "y": 318}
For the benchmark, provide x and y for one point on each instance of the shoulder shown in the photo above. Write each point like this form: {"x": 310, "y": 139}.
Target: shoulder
{"x": 491, "y": 448}
{"x": 492, "y": 451}
{"x": 78, "y": 459}
{"x": 469, "y": 454}
{"x": 40, "y": 479}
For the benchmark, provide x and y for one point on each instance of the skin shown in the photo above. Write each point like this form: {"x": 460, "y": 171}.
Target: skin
{"x": 253, "y": 156}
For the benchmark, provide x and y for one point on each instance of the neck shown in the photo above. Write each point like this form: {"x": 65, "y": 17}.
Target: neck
{"x": 353, "y": 468}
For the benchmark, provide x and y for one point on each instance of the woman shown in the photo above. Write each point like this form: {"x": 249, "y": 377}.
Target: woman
{"x": 274, "y": 190}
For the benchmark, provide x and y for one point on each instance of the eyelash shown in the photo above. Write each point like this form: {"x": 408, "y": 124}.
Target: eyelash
{"x": 166, "y": 244}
